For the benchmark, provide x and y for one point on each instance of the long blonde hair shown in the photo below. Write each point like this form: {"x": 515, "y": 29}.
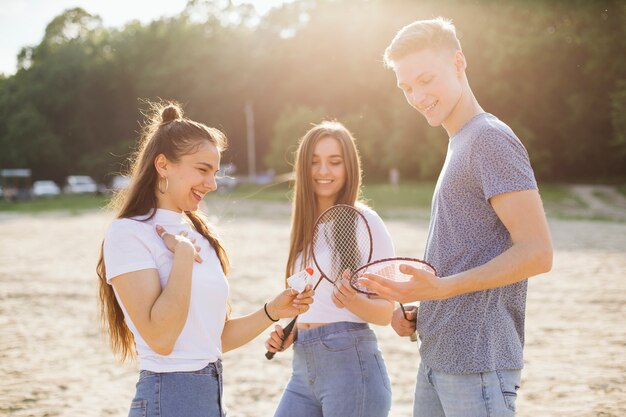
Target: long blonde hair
{"x": 169, "y": 133}
{"x": 304, "y": 207}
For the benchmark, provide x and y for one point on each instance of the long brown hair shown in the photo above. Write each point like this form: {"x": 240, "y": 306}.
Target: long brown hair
{"x": 167, "y": 132}
{"x": 304, "y": 207}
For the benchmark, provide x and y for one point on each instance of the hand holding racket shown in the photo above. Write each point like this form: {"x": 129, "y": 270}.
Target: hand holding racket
{"x": 398, "y": 279}
{"x": 278, "y": 342}
{"x": 341, "y": 241}
{"x": 404, "y": 321}
{"x": 343, "y": 293}
{"x": 376, "y": 278}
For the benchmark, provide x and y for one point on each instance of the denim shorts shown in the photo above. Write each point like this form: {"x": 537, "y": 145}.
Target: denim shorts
{"x": 173, "y": 394}
{"x": 338, "y": 371}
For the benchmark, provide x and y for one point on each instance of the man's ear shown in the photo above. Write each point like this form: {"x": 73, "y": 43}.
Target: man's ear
{"x": 459, "y": 62}
{"x": 161, "y": 164}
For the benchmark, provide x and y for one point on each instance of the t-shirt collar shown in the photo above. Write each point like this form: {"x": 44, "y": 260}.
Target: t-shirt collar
{"x": 164, "y": 216}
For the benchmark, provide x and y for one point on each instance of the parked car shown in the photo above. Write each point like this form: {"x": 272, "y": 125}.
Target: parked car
{"x": 45, "y": 188}
{"x": 225, "y": 178}
{"x": 80, "y": 184}
{"x": 120, "y": 182}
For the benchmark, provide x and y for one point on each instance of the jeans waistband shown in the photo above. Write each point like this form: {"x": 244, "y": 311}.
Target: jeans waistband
{"x": 305, "y": 335}
{"x": 215, "y": 367}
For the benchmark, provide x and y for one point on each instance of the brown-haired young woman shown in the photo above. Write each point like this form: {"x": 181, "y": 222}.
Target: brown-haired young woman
{"x": 163, "y": 289}
{"x": 338, "y": 370}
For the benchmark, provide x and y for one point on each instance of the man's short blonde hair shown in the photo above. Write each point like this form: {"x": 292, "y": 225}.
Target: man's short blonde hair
{"x": 437, "y": 34}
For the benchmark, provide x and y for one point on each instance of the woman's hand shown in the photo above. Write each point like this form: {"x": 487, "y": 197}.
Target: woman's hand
{"x": 289, "y": 303}
{"x": 275, "y": 342}
{"x": 174, "y": 242}
{"x": 343, "y": 293}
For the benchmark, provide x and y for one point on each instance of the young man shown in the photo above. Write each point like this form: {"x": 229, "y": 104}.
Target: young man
{"x": 488, "y": 234}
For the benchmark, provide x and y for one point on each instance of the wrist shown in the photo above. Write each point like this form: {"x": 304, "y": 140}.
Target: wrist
{"x": 271, "y": 312}
{"x": 183, "y": 246}
{"x": 452, "y": 286}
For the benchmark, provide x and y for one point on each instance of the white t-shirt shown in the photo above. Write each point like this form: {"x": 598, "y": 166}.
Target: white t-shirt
{"x": 133, "y": 245}
{"x": 323, "y": 310}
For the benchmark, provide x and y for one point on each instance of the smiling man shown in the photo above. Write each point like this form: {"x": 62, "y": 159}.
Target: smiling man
{"x": 488, "y": 234}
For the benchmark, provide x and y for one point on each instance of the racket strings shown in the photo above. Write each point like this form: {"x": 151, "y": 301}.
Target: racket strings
{"x": 389, "y": 269}
{"x": 342, "y": 242}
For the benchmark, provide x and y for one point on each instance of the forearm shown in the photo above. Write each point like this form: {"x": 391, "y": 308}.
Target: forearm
{"x": 372, "y": 310}
{"x": 241, "y": 330}
{"x": 169, "y": 311}
{"x": 519, "y": 262}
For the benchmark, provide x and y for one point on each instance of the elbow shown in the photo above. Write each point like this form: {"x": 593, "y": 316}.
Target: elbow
{"x": 544, "y": 258}
{"x": 161, "y": 347}
{"x": 164, "y": 351}
{"x": 385, "y": 318}
{"x": 385, "y": 322}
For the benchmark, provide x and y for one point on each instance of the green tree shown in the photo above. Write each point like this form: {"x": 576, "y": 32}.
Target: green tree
{"x": 291, "y": 125}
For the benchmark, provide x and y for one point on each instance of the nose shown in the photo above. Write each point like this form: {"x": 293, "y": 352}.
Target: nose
{"x": 211, "y": 183}
{"x": 416, "y": 98}
{"x": 323, "y": 168}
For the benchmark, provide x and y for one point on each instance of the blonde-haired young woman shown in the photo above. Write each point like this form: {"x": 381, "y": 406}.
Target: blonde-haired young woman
{"x": 338, "y": 370}
{"x": 163, "y": 288}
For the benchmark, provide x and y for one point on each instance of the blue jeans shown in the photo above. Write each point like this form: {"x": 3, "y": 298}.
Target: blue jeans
{"x": 184, "y": 394}
{"x": 488, "y": 394}
{"x": 338, "y": 371}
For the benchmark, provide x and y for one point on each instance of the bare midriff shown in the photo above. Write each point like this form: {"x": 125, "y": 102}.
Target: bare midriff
{"x": 306, "y": 326}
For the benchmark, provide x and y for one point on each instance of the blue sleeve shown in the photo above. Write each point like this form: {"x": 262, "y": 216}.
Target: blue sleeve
{"x": 501, "y": 164}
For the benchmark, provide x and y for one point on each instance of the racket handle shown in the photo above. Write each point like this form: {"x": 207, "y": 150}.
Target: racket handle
{"x": 286, "y": 332}
{"x": 414, "y": 337}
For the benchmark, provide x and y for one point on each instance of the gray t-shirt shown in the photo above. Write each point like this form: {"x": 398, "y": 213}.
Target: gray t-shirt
{"x": 481, "y": 331}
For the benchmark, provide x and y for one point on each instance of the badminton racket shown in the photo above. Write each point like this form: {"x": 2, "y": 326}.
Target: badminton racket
{"x": 389, "y": 268}
{"x": 342, "y": 241}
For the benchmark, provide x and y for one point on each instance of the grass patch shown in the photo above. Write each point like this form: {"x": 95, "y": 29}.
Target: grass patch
{"x": 72, "y": 203}
{"x": 379, "y": 196}
{"x": 555, "y": 194}
{"x": 621, "y": 189}
{"x": 274, "y": 192}
{"x": 416, "y": 195}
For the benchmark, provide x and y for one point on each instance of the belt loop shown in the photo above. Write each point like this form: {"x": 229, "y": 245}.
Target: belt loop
{"x": 430, "y": 375}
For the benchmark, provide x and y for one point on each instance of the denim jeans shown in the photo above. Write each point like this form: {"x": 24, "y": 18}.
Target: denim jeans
{"x": 338, "y": 371}
{"x": 184, "y": 394}
{"x": 488, "y": 394}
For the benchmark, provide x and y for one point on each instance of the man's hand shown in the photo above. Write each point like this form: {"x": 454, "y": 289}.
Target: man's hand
{"x": 404, "y": 325}
{"x": 422, "y": 285}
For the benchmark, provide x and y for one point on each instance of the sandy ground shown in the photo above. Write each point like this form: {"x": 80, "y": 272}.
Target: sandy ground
{"x": 54, "y": 361}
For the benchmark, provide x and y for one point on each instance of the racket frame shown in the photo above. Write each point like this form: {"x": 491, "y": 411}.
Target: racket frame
{"x": 379, "y": 261}
{"x": 318, "y": 221}
{"x": 355, "y": 274}
{"x": 289, "y": 328}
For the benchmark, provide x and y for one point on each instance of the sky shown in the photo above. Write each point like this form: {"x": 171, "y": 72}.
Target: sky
{"x": 23, "y": 22}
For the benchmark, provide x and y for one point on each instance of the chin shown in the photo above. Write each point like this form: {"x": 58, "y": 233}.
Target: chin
{"x": 434, "y": 123}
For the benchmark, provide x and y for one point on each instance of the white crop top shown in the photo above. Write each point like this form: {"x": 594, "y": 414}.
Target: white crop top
{"x": 323, "y": 310}
{"x": 132, "y": 245}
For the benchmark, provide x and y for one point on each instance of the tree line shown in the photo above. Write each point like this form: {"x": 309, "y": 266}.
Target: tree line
{"x": 553, "y": 70}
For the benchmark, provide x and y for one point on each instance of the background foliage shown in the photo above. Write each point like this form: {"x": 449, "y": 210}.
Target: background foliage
{"x": 554, "y": 70}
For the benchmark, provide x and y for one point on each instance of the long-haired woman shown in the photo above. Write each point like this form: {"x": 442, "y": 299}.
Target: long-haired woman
{"x": 338, "y": 370}
{"x": 163, "y": 287}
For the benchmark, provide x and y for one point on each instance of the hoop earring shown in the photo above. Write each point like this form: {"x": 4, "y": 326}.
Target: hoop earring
{"x": 167, "y": 184}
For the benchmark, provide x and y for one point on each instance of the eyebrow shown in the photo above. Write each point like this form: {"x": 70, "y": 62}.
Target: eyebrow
{"x": 416, "y": 78}
{"x": 205, "y": 164}
{"x": 330, "y": 156}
